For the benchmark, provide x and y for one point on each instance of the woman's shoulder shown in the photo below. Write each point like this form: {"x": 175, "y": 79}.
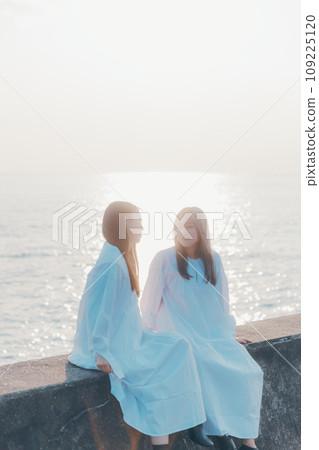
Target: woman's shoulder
{"x": 164, "y": 255}
{"x": 164, "y": 260}
{"x": 217, "y": 261}
{"x": 216, "y": 255}
{"x": 110, "y": 259}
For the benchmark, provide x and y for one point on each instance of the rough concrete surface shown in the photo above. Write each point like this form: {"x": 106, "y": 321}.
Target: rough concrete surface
{"x": 51, "y": 404}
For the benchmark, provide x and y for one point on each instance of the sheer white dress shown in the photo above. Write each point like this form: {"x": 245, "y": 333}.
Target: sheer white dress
{"x": 231, "y": 379}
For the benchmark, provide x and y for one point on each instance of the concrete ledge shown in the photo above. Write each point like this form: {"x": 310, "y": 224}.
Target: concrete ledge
{"x": 51, "y": 404}
{"x": 271, "y": 328}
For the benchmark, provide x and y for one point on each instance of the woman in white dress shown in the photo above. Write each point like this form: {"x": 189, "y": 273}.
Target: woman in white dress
{"x": 152, "y": 375}
{"x": 187, "y": 291}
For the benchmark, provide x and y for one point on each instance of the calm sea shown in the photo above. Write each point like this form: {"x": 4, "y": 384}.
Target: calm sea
{"x": 48, "y": 246}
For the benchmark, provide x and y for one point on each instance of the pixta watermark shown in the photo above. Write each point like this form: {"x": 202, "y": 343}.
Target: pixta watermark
{"x": 69, "y": 225}
{"x": 75, "y": 225}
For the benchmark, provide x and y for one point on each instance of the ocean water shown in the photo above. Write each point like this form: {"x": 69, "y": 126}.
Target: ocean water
{"x": 45, "y": 256}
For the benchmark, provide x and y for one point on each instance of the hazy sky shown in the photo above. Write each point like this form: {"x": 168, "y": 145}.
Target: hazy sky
{"x": 145, "y": 85}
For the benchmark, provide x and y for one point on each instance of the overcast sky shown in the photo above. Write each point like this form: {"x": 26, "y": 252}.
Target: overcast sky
{"x": 145, "y": 85}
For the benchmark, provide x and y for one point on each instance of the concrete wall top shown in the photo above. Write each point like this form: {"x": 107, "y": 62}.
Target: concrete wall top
{"x": 55, "y": 370}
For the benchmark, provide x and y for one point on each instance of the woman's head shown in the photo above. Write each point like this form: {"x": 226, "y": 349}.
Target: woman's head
{"x": 122, "y": 224}
{"x": 191, "y": 228}
{"x": 122, "y": 227}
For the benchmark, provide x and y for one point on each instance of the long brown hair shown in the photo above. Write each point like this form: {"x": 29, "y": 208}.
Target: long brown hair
{"x": 205, "y": 249}
{"x": 111, "y": 231}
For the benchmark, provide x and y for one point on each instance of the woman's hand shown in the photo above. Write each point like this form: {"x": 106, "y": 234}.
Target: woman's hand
{"x": 243, "y": 340}
{"x": 103, "y": 365}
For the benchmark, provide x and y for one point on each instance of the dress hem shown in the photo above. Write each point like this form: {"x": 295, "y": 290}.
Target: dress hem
{"x": 165, "y": 432}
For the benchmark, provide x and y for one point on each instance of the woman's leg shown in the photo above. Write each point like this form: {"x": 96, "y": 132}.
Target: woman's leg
{"x": 160, "y": 440}
{"x": 225, "y": 442}
{"x": 133, "y": 434}
{"x": 250, "y": 443}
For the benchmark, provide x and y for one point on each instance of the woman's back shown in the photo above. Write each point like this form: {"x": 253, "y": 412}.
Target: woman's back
{"x": 107, "y": 300}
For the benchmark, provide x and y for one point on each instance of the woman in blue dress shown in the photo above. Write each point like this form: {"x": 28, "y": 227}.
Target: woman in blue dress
{"x": 187, "y": 291}
{"x": 152, "y": 375}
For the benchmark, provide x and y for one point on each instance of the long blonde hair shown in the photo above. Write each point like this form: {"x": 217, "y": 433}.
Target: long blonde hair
{"x": 205, "y": 248}
{"x": 111, "y": 230}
